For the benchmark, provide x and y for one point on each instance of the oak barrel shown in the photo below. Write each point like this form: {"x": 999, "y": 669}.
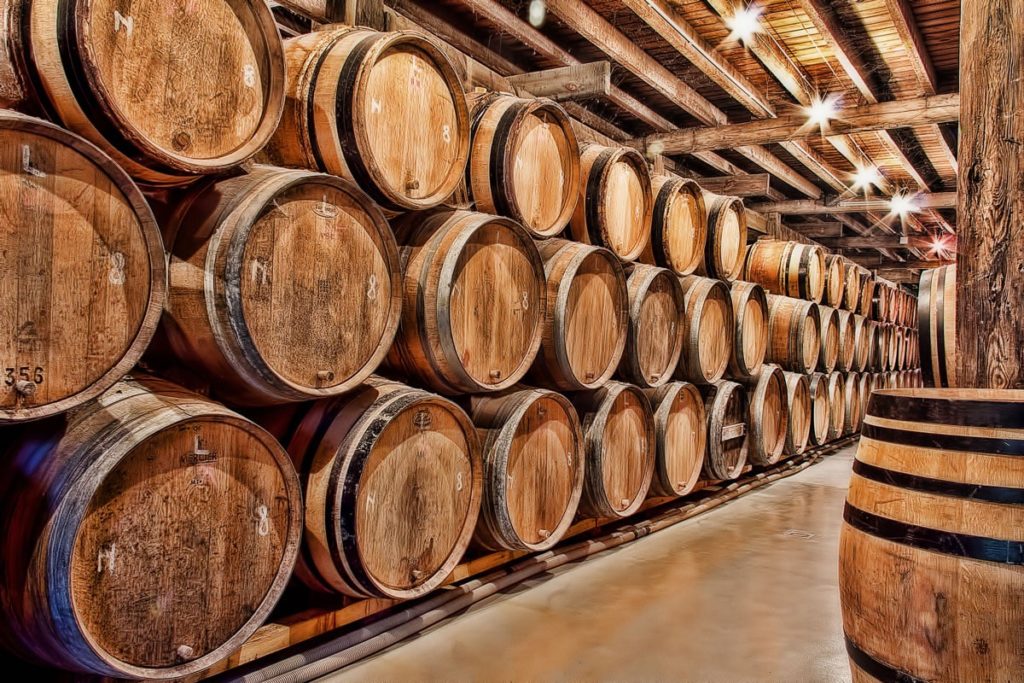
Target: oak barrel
{"x": 96, "y": 69}
{"x": 532, "y": 468}
{"x": 853, "y": 401}
{"x": 851, "y": 292}
{"x": 474, "y": 306}
{"x": 392, "y": 482}
{"x": 936, "y": 306}
{"x": 728, "y": 436}
{"x": 846, "y": 323}
{"x": 680, "y": 427}
{"x": 798, "y": 394}
{"x": 861, "y": 343}
{"x": 836, "y": 404}
{"x": 621, "y": 449}
{"x": 867, "y": 294}
{"x": 679, "y": 227}
{"x": 726, "y": 241}
{"x": 81, "y": 266}
{"x": 616, "y": 201}
{"x": 655, "y": 337}
{"x": 385, "y": 110}
{"x": 750, "y": 336}
{"x": 828, "y": 321}
{"x": 524, "y": 161}
{"x": 821, "y": 409}
{"x": 787, "y": 268}
{"x": 931, "y": 553}
{"x": 708, "y": 340}
{"x": 587, "y": 316}
{"x": 148, "y": 534}
{"x": 794, "y": 333}
{"x": 768, "y": 415}
{"x": 284, "y": 285}
{"x": 835, "y": 281}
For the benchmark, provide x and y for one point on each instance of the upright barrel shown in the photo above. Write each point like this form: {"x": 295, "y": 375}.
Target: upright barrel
{"x": 798, "y": 394}
{"x": 532, "y": 468}
{"x": 679, "y": 225}
{"x": 155, "y": 530}
{"x": 524, "y": 161}
{"x": 621, "y": 450}
{"x": 707, "y": 345}
{"x": 587, "y": 317}
{"x": 283, "y": 285}
{"x": 655, "y": 337}
{"x": 616, "y": 201}
{"x": 828, "y": 320}
{"x": 750, "y": 334}
{"x": 727, "y": 237}
{"x": 932, "y": 545}
{"x": 82, "y": 270}
{"x": 392, "y": 482}
{"x": 794, "y": 333}
{"x": 835, "y": 281}
{"x": 728, "y": 437}
{"x": 768, "y": 410}
{"x": 787, "y": 268}
{"x": 385, "y": 110}
{"x": 936, "y": 310}
{"x": 474, "y": 304}
{"x": 220, "y": 71}
{"x": 821, "y": 409}
{"x": 680, "y": 427}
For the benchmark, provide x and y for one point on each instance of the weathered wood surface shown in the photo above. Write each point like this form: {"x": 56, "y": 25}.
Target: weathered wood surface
{"x": 798, "y": 397}
{"x": 810, "y": 207}
{"x": 728, "y": 439}
{"x": 574, "y": 82}
{"x": 656, "y": 326}
{"x": 750, "y": 336}
{"x": 709, "y": 323}
{"x": 768, "y": 415}
{"x": 750, "y": 185}
{"x": 680, "y": 429}
{"x": 726, "y": 241}
{"x": 679, "y": 225}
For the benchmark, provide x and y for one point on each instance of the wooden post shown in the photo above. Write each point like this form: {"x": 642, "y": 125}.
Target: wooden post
{"x": 990, "y": 219}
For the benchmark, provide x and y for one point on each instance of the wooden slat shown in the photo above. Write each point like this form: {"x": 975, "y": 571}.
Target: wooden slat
{"x": 881, "y": 242}
{"x": 567, "y": 82}
{"x": 752, "y": 185}
{"x": 796, "y": 207}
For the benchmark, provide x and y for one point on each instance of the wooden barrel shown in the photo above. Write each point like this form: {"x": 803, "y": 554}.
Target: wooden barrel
{"x": 900, "y": 351}
{"x": 936, "y": 307}
{"x": 385, "y": 110}
{"x": 615, "y": 201}
{"x": 586, "y": 319}
{"x": 932, "y": 545}
{"x": 871, "y": 333}
{"x": 867, "y": 386}
{"x": 620, "y": 442}
{"x": 847, "y": 340}
{"x": 726, "y": 241}
{"x": 768, "y": 415}
{"x": 794, "y": 333}
{"x": 728, "y": 436}
{"x": 798, "y": 396}
{"x": 821, "y": 409}
{"x": 750, "y": 333}
{"x": 524, "y": 161}
{"x": 680, "y": 428}
{"x": 474, "y": 305}
{"x": 708, "y": 340}
{"x": 862, "y": 342}
{"x": 882, "y": 348}
{"x": 836, "y": 405}
{"x": 867, "y": 294}
{"x": 828, "y": 321}
{"x": 655, "y": 337}
{"x": 532, "y": 468}
{"x": 393, "y": 479}
{"x": 82, "y": 270}
{"x": 787, "y": 268}
{"x": 851, "y": 292}
{"x": 835, "y": 281}
{"x": 95, "y": 68}
{"x": 853, "y": 403}
{"x": 880, "y": 303}
{"x": 281, "y": 286}
{"x": 679, "y": 227}
{"x": 157, "y": 528}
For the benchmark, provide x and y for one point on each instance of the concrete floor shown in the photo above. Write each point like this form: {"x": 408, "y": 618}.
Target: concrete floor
{"x": 747, "y": 592}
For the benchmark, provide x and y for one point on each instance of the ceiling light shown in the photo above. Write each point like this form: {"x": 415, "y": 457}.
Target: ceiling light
{"x": 744, "y": 23}
{"x": 822, "y": 111}
{"x": 537, "y": 13}
{"x": 902, "y": 204}
{"x": 866, "y": 177}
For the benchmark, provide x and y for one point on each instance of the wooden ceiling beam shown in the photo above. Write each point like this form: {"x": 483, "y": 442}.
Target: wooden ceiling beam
{"x": 880, "y": 242}
{"x": 810, "y": 207}
{"x": 751, "y": 185}
{"x": 567, "y": 82}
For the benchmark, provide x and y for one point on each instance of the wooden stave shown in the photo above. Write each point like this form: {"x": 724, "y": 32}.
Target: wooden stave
{"x": 787, "y": 333}
{"x": 595, "y": 409}
{"x": 852, "y": 403}
{"x": 305, "y": 123}
{"x": 714, "y": 265}
{"x": 204, "y": 327}
{"x": 837, "y": 405}
{"x": 867, "y": 294}
{"x": 74, "y": 93}
{"x": 589, "y": 224}
{"x": 821, "y": 407}
{"x": 85, "y": 446}
{"x": 154, "y": 250}
{"x": 492, "y": 154}
{"x": 430, "y": 246}
{"x": 639, "y": 282}
{"x": 744, "y": 294}
{"x": 562, "y": 261}
{"x": 798, "y": 393}
{"x": 769, "y": 383}
{"x": 665, "y": 189}
{"x": 718, "y": 398}
{"x": 322, "y": 444}
{"x": 828, "y": 357}
{"x": 851, "y": 292}
{"x": 936, "y": 306}
{"x": 925, "y": 540}
{"x": 835, "y": 281}
{"x": 847, "y": 340}
{"x": 862, "y": 342}
{"x": 497, "y": 419}
{"x": 662, "y": 401}
{"x": 696, "y": 291}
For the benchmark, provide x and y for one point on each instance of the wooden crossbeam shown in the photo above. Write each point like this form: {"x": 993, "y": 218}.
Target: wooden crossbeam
{"x": 808, "y": 207}
{"x": 574, "y": 82}
{"x": 911, "y": 264}
{"x": 752, "y": 185}
{"x": 881, "y": 242}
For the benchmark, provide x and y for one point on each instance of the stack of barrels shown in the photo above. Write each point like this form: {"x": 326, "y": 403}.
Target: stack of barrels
{"x": 334, "y": 318}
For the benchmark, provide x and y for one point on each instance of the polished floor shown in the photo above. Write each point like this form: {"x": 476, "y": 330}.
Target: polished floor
{"x": 747, "y": 592}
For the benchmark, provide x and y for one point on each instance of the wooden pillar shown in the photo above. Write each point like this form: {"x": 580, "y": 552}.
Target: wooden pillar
{"x": 990, "y": 219}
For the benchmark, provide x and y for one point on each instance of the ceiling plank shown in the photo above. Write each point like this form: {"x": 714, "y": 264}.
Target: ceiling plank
{"x": 751, "y": 185}
{"x": 810, "y": 207}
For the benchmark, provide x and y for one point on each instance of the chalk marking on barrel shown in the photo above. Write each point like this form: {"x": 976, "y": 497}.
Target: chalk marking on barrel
{"x": 26, "y": 163}
{"x": 263, "y": 522}
{"x": 249, "y": 75}
{"x": 107, "y": 556}
{"x": 375, "y": 106}
{"x": 260, "y": 271}
{"x": 371, "y": 291}
{"x": 121, "y": 20}
{"x": 116, "y": 274}
{"x": 458, "y": 481}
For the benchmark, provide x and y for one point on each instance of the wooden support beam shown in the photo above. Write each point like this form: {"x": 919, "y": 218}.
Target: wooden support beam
{"x": 900, "y": 276}
{"x": 575, "y": 82}
{"x": 910, "y": 264}
{"x": 808, "y": 207}
{"x": 902, "y": 16}
{"x": 881, "y": 242}
{"x": 990, "y": 217}
{"x": 819, "y": 229}
{"x": 794, "y": 126}
{"x": 752, "y": 185}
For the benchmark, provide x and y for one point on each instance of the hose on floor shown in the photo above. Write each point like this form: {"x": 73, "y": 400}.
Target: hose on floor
{"x": 350, "y": 647}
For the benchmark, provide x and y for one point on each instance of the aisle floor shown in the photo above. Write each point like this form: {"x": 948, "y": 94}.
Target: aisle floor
{"x": 747, "y": 592}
